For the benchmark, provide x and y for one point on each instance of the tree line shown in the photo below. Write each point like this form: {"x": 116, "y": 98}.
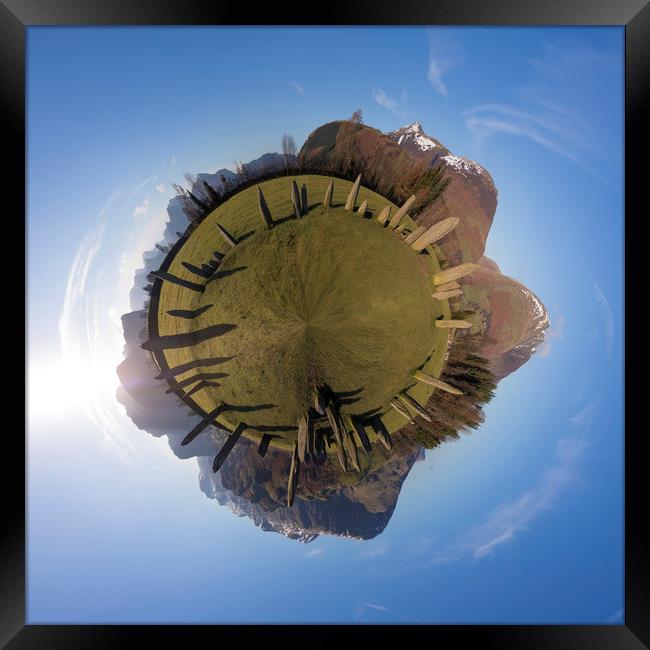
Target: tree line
{"x": 466, "y": 370}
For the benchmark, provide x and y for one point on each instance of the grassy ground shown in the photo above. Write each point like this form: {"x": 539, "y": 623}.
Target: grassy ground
{"x": 332, "y": 298}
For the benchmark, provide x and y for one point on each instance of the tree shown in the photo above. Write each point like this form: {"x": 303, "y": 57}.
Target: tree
{"x": 357, "y": 117}
{"x": 288, "y": 149}
{"x": 466, "y": 370}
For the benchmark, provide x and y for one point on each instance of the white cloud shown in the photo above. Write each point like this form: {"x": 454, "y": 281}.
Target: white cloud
{"x": 390, "y": 103}
{"x": 382, "y": 609}
{"x": 445, "y": 54}
{"x": 617, "y": 617}
{"x": 435, "y": 77}
{"x": 315, "y": 553}
{"x": 172, "y": 160}
{"x": 141, "y": 209}
{"x": 508, "y": 520}
{"x": 609, "y": 318}
{"x": 550, "y": 110}
{"x": 138, "y": 187}
{"x": 160, "y": 187}
{"x": 297, "y": 87}
{"x": 379, "y": 608}
{"x": 383, "y": 99}
{"x": 88, "y": 357}
{"x": 549, "y": 130}
{"x": 372, "y": 550}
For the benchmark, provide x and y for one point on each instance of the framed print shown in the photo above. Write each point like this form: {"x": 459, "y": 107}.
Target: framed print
{"x": 325, "y": 322}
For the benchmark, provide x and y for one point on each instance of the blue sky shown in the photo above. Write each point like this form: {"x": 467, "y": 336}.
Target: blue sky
{"x": 521, "y": 521}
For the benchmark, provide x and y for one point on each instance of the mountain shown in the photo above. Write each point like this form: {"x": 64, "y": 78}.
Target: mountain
{"x": 514, "y": 318}
{"x": 511, "y": 317}
{"x": 255, "y": 487}
{"x": 418, "y": 144}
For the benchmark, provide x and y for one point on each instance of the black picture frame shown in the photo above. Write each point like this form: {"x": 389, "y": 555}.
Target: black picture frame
{"x": 17, "y": 15}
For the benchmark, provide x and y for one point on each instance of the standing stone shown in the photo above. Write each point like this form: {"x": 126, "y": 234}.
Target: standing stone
{"x": 265, "y": 213}
{"x": 382, "y": 217}
{"x": 294, "y": 471}
{"x": 456, "y": 324}
{"x": 454, "y": 273}
{"x": 436, "y": 232}
{"x": 331, "y": 416}
{"x": 445, "y": 295}
{"x": 397, "y": 217}
{"x": 227, "y": 447}
{"x": 437, "y": 383}
{"x": 420, "y": 230}
{"x": 448, "y": 286}
{"x": 363, "y": 436}
{"x": 362, "y": 208}
{"x": 311, "y": 435}
{"x": 226, "y": 235}
{"x": 264, "y": 444}
{"x": 352, "y": 196}
{"x": 340, "y": 453}
{"x": 351, "y": 448}
{"x": 327, "y": 201}
{"x": 409, "y": 402}
{"x": 303, "y": 198}
{"x": 401, "y": 410}
{"x": 319, "y": 402}
{"x": 295, "y": 200}
{"x": 302, "y": 437}
{"x": 381, "y": 432}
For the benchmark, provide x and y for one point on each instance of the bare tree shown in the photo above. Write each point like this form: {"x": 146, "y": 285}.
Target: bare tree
{"x": 288, "y": 149}
{"x": 357, "y": 116}
{"x": 240, "y": 170}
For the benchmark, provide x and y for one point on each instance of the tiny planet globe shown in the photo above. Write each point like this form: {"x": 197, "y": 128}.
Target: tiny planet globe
{"x": 308, "y": 313}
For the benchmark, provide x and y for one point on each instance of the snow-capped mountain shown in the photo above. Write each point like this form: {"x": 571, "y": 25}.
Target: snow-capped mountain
{"x": 417, "y": 143}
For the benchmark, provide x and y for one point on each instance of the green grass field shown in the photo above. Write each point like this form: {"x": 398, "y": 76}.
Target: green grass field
{"x": 332, "y": 298}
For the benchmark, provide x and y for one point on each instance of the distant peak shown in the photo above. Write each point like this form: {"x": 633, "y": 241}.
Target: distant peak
{"x": 415, "y": 127}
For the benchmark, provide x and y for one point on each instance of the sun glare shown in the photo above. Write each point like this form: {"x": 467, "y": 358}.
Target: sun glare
{"x": 58, "y": 389}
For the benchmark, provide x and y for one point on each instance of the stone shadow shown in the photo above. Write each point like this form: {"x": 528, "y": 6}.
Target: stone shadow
{"x": 224, "y": 274}
{"x": 186, "y": 339}
{"x": 196, "y": 363}
{"x": 189, "y": 313}
{"x": 198, "y": 377}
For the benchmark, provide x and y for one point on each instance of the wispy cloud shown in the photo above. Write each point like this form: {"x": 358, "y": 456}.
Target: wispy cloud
{"x": 160, "y": 188}
{"x": 550, "y": 109}
{"x": 141, "y": 209}
{"x": 512, "y": 518}
{"x": 551, "y": 129}
{"x": 617, "y": 617}
{"x": 372, "y": 550}
{"x": 390, "y": 103}
{"x": 297, "y": 87}
{"x": 85, "y": 353}
{"x": 608, "y": 317}
{"x": 139, "y": 186}
{"x": 315, "y": 553}
{"x": 386, "y": 613}
{"x": 379, "y": 608}
{"x": 445, "y": 53}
